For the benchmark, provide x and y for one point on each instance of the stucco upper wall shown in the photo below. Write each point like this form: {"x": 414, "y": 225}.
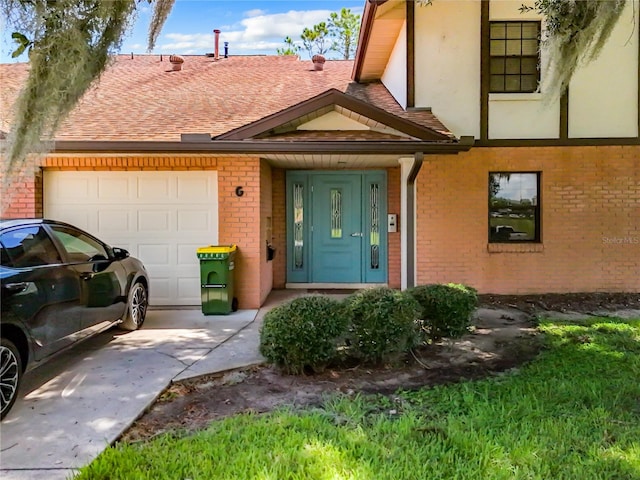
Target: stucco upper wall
{"x": 527, "y": 115}
{"x": 603, "y": 95}
{"x": 447, "y": 63}
{"x": 395, "y": 75}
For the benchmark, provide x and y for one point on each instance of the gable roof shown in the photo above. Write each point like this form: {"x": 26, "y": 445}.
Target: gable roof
{"x": 141, "y": 99}
{"x": 330, "y": 100}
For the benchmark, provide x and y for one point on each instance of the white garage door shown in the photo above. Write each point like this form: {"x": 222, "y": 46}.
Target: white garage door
{"x": 160, "y": 217}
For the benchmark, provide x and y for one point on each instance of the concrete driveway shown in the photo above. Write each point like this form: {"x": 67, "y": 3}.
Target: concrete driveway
{"x": 73, "y": 407}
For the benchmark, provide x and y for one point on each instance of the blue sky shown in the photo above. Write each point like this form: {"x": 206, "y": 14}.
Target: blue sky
{"x": 250, "y": 27}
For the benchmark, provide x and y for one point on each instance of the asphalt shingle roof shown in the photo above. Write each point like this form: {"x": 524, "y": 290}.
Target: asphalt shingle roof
{"x": 142, "y": 99}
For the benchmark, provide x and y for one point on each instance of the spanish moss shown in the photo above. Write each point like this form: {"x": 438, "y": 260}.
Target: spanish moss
{"x": 69, "y": 43}
{"x": 576, "y": 31}
{"x": 160, "y": 14}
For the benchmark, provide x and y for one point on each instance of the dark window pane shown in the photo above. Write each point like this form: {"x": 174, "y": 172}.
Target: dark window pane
{"x": 530, "y": 30}
{"x": 497, "y": 65}
{"x": 497, "y": 83}
{"x": 529, "y": 47}
{"x": 514, "y": 30}
{"x": 530, "y": 66}
{"x": 497, "y": 47}
{"x": 498, "y": 30}
{"x": 529, "y": 83}
{"x": 512, "y": 83}
{"x": 513, "y": 66}
{"x": 514, "y": 47}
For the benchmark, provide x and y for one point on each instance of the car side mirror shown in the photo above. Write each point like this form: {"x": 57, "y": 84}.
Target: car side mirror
{"x": 120, "y": 253}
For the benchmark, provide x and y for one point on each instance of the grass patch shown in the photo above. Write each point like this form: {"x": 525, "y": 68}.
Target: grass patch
{"x": 573, "y": 413}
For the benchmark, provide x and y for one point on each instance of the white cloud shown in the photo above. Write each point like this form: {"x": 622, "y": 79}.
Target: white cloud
{"x": 279, "y": 25}
{"x": 254, "y": 13}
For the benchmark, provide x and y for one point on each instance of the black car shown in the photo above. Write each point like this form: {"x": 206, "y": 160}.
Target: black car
{"x": 60, "y": 285}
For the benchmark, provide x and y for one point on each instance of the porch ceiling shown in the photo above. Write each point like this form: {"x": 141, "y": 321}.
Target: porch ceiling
{"x": 313, "y": 161}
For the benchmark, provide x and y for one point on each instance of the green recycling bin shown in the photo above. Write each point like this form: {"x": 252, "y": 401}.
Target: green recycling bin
{"x": 217, "y": 264}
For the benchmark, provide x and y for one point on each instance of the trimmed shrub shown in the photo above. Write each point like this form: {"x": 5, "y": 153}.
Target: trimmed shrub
{"x": 383, "y": 322}
{"x": 445, "y": 309}
{"x": 303, "y": 333}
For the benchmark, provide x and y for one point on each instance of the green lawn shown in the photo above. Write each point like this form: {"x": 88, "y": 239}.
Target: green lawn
{"x": 573, "y": 413}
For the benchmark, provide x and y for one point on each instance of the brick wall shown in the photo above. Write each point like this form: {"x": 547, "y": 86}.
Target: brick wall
{"x": 393, "y": 206}
{"x": 590, "y": 209}
{"x": 240, "y": 222}
{"x": 22, "y": 197}
{"x": 165, "y": 162}
{"x": 590, "y": 216}
{"x": 279, "y": 228}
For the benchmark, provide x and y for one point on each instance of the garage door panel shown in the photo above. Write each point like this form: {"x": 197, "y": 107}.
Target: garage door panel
{"x": 150, "y": 221}
{"x": 194, "y": 220}
{"x": 113, "y": 221}
{"x": 82, "y": 186}
{"x": 187, "y": 285}
{"x": 113, "y": 188}
{"x": 159, "y": 217}
{"x": 187, "y": 253}
{"x": 155, "y": 189}
{"x": 155, "y": 254}
{"x": 192, "y": 189}
{"x": 160, "y": 289}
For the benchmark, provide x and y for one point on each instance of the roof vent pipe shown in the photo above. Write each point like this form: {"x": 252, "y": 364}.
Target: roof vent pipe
{"x": 216, "y": 54}
{"x": 226, "y": 49}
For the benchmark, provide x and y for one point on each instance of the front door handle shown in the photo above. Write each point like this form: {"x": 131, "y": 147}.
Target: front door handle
{"x": 16, "y": 287}
{"x": 356, "y": 234}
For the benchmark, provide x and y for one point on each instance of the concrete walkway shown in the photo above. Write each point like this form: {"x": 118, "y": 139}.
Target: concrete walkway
{"x": 72, "y": 408}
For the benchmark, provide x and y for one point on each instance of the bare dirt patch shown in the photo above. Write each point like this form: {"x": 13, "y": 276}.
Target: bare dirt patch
{"x": 504, "y": 337}
{"x": 589, "y": 303}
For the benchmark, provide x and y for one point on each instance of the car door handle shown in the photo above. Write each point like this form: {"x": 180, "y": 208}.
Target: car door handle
{"x": 86, "y": 276}
{"x": 356, "y": 234}
{"x": 16, "y": 287}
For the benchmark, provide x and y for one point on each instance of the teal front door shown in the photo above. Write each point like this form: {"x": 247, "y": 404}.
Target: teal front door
{"x": 335, "y": 232}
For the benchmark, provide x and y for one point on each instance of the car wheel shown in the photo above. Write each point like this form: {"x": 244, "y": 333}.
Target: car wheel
{"x": 10, "y": 375}
{"x": 136, "y": 308}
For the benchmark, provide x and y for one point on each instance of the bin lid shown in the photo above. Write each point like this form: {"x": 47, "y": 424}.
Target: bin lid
{"x": 217, "y": 249}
